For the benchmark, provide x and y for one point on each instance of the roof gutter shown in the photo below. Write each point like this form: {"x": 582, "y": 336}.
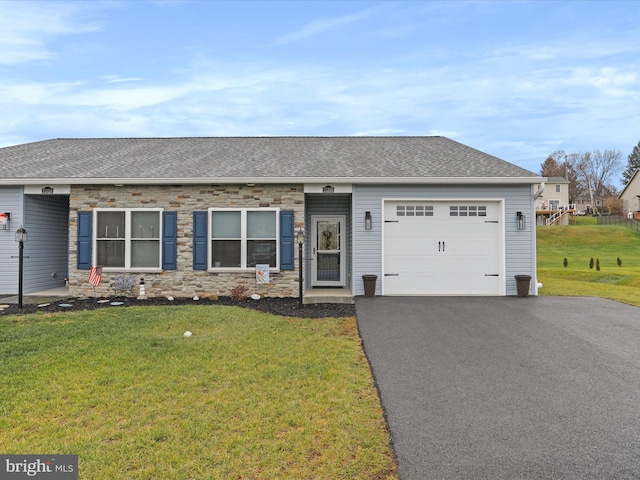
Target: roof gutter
{"x": 277, "y": 180}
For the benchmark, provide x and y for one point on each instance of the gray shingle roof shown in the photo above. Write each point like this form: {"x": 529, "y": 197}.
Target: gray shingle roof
{"x": 220, "y": 159}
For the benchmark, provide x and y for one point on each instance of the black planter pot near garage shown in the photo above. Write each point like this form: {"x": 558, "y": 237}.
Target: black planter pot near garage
{"x": 522, "y": 284}
{"x": 369, "y": 285}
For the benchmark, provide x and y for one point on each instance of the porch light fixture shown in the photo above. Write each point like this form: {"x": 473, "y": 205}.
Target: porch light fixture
{"x": 21, "y": 238}
{"x": 300, "y": 243}
{"x": 521, "y": 222}
{"x": 367, "y": 221}
{"x": 21, "y": 235}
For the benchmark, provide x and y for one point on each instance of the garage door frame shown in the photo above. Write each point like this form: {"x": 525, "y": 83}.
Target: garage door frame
{"x": 502, "y": 233}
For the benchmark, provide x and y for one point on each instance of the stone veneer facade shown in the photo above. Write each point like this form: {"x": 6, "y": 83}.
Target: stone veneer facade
{"x": 184, "y": 199}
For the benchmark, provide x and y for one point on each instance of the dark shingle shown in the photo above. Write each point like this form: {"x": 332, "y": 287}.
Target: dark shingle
{"x": 221, "y": 158}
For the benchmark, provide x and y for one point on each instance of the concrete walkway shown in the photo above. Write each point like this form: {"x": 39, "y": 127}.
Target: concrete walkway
{"x": 38, "y": 297}
{"x": 507, "y": 388}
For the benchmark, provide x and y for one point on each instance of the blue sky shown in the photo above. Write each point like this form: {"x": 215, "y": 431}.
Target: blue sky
{"x": 516, "y": 79}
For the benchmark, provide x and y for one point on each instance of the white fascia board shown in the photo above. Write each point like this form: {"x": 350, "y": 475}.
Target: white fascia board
{"x": 276, "y": 180}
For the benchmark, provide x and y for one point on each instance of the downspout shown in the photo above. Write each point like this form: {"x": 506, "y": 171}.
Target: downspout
{"x": 537, "y": 285}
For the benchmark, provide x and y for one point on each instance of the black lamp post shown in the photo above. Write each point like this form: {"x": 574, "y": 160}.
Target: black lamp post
{"x": 21, "y": 237}
{"x": 300, "y": 243}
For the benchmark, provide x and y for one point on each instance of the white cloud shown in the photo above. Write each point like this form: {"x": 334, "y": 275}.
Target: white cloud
{"x": 119, "y": 79}
{"x": 379, "y": 132}
{"x": 26, "y": 28}
{"x": 34, "y": 93}
{"x": 322, "y": 25}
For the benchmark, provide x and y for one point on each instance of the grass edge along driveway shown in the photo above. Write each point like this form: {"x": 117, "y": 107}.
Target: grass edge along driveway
{"x": 249, "y": 395}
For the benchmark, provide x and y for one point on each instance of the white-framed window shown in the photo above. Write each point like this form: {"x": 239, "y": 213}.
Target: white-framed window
{"x": 128, "y": 238}
{"x": 557, "y": 188}
{"x": 241, "y": 238}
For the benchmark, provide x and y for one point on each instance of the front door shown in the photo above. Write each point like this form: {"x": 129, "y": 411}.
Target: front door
{"x": 328, "y": 251}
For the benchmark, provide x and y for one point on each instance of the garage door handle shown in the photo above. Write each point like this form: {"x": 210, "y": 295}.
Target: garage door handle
{"x": 391, "y": 274}
{"x": 491, "y": 221}
{"x": 491, "y": 274}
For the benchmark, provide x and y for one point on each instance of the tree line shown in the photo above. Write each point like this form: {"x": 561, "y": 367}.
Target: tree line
{"x": 592, "y": 174}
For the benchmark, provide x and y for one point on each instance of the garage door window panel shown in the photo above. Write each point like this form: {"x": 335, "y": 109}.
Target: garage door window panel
{"x": 467, "y": 211}
{"x": 414, "y": 211}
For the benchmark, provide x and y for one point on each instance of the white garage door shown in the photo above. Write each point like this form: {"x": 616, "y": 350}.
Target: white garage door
{"x": 443, "y": 248}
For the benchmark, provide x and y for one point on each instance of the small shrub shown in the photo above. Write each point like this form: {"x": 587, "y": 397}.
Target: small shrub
{"x": 597, "y": 264}
{"x": 591, "y": 263}
{"x": 565, "y": 262}
{"x": 619, "y": 262}
{"x": 239, "y": 293}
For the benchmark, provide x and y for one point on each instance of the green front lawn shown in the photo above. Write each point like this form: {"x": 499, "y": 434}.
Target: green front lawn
{"x": 578, "y": 244}
{"x": 249, "y": 395}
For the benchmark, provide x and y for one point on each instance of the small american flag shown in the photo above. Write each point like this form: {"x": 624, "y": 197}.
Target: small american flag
{"x": 95, "y": 276}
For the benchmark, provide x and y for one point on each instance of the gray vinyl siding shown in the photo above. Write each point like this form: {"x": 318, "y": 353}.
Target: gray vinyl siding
{"x": 519, "y": 245}
{"x": 11, "y": 202}
{"x": 328, "y": 204}
{"x": 47, "y": 225}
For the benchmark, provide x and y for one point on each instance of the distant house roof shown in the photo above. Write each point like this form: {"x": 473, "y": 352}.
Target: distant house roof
{"x": 254, "y": 159}
{"x": 629, "y": 183}
{"x": 557, "y": 180}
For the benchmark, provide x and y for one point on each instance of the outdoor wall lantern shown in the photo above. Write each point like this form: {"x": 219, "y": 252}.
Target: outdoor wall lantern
{"x": 300, "y": 243}
{"x": 367, "y": 221}
{"x": 521, "y": 223}
{"x": 21, "y": 237}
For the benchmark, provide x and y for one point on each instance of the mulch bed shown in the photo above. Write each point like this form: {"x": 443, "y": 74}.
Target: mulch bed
{"x": 278, "y": 306}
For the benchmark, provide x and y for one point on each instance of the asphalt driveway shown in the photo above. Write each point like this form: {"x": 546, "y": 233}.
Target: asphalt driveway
{"x": 507, "y": 387}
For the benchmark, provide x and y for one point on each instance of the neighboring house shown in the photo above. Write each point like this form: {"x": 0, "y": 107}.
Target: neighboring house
{"x": 194, "y": 216}
{"x": 552, "y": 205}
{"x": 630, "y": 196}
{"x": 583, "y": 203}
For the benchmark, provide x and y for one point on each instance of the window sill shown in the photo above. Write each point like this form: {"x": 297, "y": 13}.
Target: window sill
{"x": 131, "y": 270}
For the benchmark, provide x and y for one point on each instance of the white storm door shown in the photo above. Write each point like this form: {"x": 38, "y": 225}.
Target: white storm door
{"x": 328, "y": 251}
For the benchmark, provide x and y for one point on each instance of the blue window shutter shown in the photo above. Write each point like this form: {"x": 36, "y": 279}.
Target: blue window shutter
{"x": 84, "y": 243}
{"x": 200, "y": 240}
{"x": 287, "y": 237}
{"x": 169, "y": 240}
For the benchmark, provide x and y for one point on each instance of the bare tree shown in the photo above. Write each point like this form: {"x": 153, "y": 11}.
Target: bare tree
{"x": 596, "y": 170}
{"x": 589, "y": 173}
